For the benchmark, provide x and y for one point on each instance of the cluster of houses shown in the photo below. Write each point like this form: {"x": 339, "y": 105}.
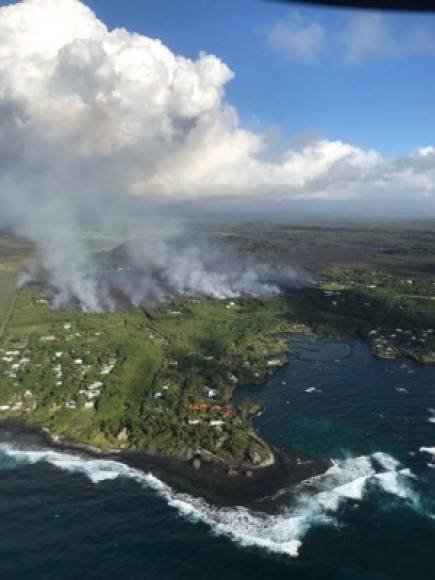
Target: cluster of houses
{"x": 386, "y": 343}
{"x": 225, "y": 411}
{"x": 92, "y": 391}
{"x": 13, "y": 360}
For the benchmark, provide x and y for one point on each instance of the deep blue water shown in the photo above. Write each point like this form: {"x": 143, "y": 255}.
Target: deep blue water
{"x": 370, "y": 517}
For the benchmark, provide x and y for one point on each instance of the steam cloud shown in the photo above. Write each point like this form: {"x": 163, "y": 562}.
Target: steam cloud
{"x": 96, "y": 123}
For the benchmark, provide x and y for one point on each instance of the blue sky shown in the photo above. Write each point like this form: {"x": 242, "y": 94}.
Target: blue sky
{"x": 384, "y": 100}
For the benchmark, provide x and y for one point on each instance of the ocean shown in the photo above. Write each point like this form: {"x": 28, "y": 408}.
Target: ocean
{"x": 370, "y": 516}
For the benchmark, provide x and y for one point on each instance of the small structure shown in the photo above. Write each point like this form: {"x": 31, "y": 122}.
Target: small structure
{"x": 123, "y": 435}
{"x": 50, "y": 337}
{"x": 211, "y": 393}
{"x": 274, "y": 362}
{"x": 194, "y": 421}
{"x": 106, "y": 369}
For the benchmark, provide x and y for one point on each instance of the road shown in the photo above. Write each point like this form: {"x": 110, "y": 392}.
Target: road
{"x": 8, "y": 316}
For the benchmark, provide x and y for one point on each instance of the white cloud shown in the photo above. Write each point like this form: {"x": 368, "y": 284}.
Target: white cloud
{"x": 91, "y": 118}
{"x": 366, "y": 35}
{"x": 362, "y": 36}
{"x": 94, "y": 121}
{"x": 297, "y": 38}
{"x": 369, "y": 35}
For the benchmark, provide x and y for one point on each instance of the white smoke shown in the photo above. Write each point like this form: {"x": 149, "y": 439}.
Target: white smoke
{"x": 95, "y": 123}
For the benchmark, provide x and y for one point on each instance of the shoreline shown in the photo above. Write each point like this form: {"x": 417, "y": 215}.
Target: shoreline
{"x": 211, "y": 481}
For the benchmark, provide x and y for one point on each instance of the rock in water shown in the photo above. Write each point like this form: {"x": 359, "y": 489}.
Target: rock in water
{"x": 254, "y": 457}
{"x": 196, "y": 463}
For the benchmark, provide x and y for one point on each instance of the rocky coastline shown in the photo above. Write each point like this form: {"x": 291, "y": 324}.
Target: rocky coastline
{"x": 218, "y": 483}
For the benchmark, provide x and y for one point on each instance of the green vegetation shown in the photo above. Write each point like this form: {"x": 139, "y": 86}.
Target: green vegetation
{"x": 162, "y": 379}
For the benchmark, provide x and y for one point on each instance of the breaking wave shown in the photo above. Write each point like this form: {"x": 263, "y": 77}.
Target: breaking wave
{"x": 316, "y": 501}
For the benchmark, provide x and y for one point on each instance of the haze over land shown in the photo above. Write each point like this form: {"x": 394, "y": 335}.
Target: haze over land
{"x": 103, "y": 125}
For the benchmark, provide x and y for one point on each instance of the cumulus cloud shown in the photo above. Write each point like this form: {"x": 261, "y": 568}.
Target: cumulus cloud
{"x": 95, "y": 121}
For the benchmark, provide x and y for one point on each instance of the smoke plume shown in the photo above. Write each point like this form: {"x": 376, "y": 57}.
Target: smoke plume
{"x": 96, "y": 123}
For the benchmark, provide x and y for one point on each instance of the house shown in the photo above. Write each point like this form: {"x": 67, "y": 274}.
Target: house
{"x": 48, "y": 337}
{"x": 67, "y": 326}
{"x": 78, "y": 361}
{"x": 211, "y": 393}
{"x": 198, "y": 406}
{"x": 71, "y": 405}
{"x": 194, "y": 421}
{"x": 227, "y": 411}
{"x": 273, "y": 362}
{"x": 58, "y": 354}
{"x": 106, "y": 369}
{"x": 158, "y": 395}
{"x": 89, "y": 405}
{"x": 5, "y": 407}
{"x": 216, "y": 423}
{"x": 95, "y": 385}
{"x": 92, "y": 393}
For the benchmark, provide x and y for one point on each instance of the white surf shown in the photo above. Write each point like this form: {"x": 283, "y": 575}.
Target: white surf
{"x": 317, "y": 500}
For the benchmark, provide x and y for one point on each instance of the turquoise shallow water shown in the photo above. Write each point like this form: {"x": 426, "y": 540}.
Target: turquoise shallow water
{"x": 370, "y": 517}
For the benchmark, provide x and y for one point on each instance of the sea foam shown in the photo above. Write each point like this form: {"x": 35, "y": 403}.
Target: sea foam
{"x": 316, "y": 501}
